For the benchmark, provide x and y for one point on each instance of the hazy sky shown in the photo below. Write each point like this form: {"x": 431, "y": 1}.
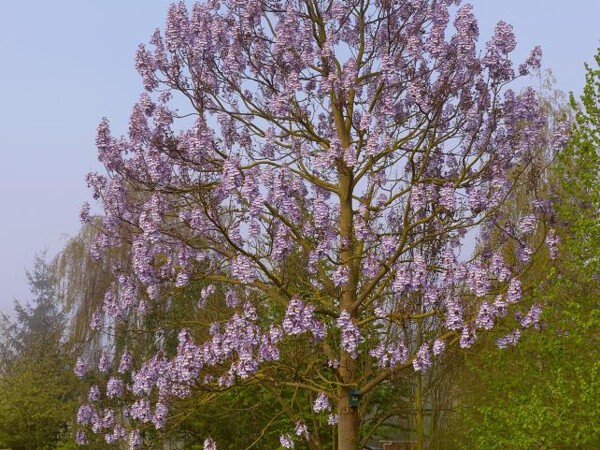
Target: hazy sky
{"x": 67, "y": 63}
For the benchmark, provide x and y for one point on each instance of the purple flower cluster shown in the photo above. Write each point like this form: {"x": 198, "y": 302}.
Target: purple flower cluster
{"x": 438, "y": 347}
{"x": 300, "y": 318}
{"x": 81, "y": 438}
{"x": 94, "y": 394}
{"x": 422, "y": 360}
{"x": 140, "y": 410}
{"x": 242, "y": 268}
{"x": 417, "y": 196}
{"x": 159, "y": 418}
{"x": 389, "y": 355}
{"x": 467, "y": 337}
{"x": 478, "y": 280}
{"x": 552, "y": 241}
{"x": 509, "y": 340}
{"x": 349, "y": 334}
{"x": 96, "y": 321}
{"x": 85, "y": 414}
{"x": 119, "y": 433}
{"x": 402, "y": 279}
{"x": 447, "y": 200}
{"x": 321, "y": 403}
{"x": 485, "y": 317}
{"x": 454, "y": 314}
{"x": 135, "y": 440}
{"x": 533, "y": 62}
{"x": 125, "y": 363}
{"x": 532, "y": 317}
{"x": 514, "y": 292}
{"x": 286, "y": 441}
{"x": 80, "y": 368}
{"x": 502, "y": 43}
{"x": 204, "y": 294}
{"x": 231, "y": 176}
{"x": 115, "y": 388}
{"x": 340, "y": 276}
{"x": 528, "y": 224}
{"x": 301, "y": 430}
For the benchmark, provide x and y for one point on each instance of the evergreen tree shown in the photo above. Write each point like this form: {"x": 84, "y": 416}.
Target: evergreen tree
{"x": 37, "y": 386}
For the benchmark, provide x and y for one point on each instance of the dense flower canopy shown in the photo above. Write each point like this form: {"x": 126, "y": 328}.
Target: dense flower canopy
{"x": 363, "y": 139}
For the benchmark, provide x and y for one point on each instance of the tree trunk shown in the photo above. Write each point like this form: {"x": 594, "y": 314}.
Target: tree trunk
{"x": 419, "y": 412}
{"x": 348, "y": 425}
{"x": 348, "y": 418}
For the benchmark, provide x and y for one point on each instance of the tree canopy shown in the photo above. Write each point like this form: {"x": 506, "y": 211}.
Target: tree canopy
{"x": 312, "y": 173}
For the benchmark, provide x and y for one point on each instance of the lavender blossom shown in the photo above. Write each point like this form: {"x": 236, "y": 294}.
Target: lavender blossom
{"x": 532, "y": 317}
{"x": 528, "y": 224}
{"x": 422, "y": 360}
{"x": 300, "y": 318}
{"x": 301, "y": 429}
{"x": 81, "y": 438}
{"x": 96, "y": 321}
{"x": 125, "y": 363}
{"x": 115, "y": 388}
{"x": 552, "y": 241}
{"x": 140, "y": 410}
{"x": 85, "y": 414}
{"x": 514, "y": 292}
{"x": 350, "y": 334}
{"x": 321, "y": 403}
{"x": 286, "y": 441}
{"x": 454, "y": 314}
{"x": 80, "y": 368}
{"x": 447, "y": 200}
{"x": 94, "y": 394}
{"x": 485, "y": 317}
{"x": 104, "y": 362}
{"x": 340, "y": 276}
{"x": 135, "y": 439}
{"x": 467, "y": 337}
{"x": 509, "y": 340}
{"x": 209, "y": 444}
{"x": 159, "y": 419}
{"x": 438, "y": 347}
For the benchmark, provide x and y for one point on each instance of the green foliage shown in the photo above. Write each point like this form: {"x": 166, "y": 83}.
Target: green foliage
{"x": 37, "y": 386}
{"x": 543, "y": 393}
{"x": 539, "y": 395}
{"x": 37, "y": 402}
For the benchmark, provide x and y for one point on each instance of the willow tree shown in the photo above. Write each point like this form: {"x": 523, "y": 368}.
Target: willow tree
{"x": 365, "y": 139}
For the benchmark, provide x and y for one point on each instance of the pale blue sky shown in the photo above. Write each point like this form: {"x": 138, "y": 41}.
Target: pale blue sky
{"x": 67, "y": 63}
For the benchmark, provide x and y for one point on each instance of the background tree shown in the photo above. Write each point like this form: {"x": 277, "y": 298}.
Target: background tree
{"x": 365, "y": 138}
{"x": 82, "y": 283}
{"x": 556, "y": 407}
{"x": 38, "y": 390}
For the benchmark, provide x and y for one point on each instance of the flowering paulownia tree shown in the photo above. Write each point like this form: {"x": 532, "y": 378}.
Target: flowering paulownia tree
{"x": 361, "y": 138}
